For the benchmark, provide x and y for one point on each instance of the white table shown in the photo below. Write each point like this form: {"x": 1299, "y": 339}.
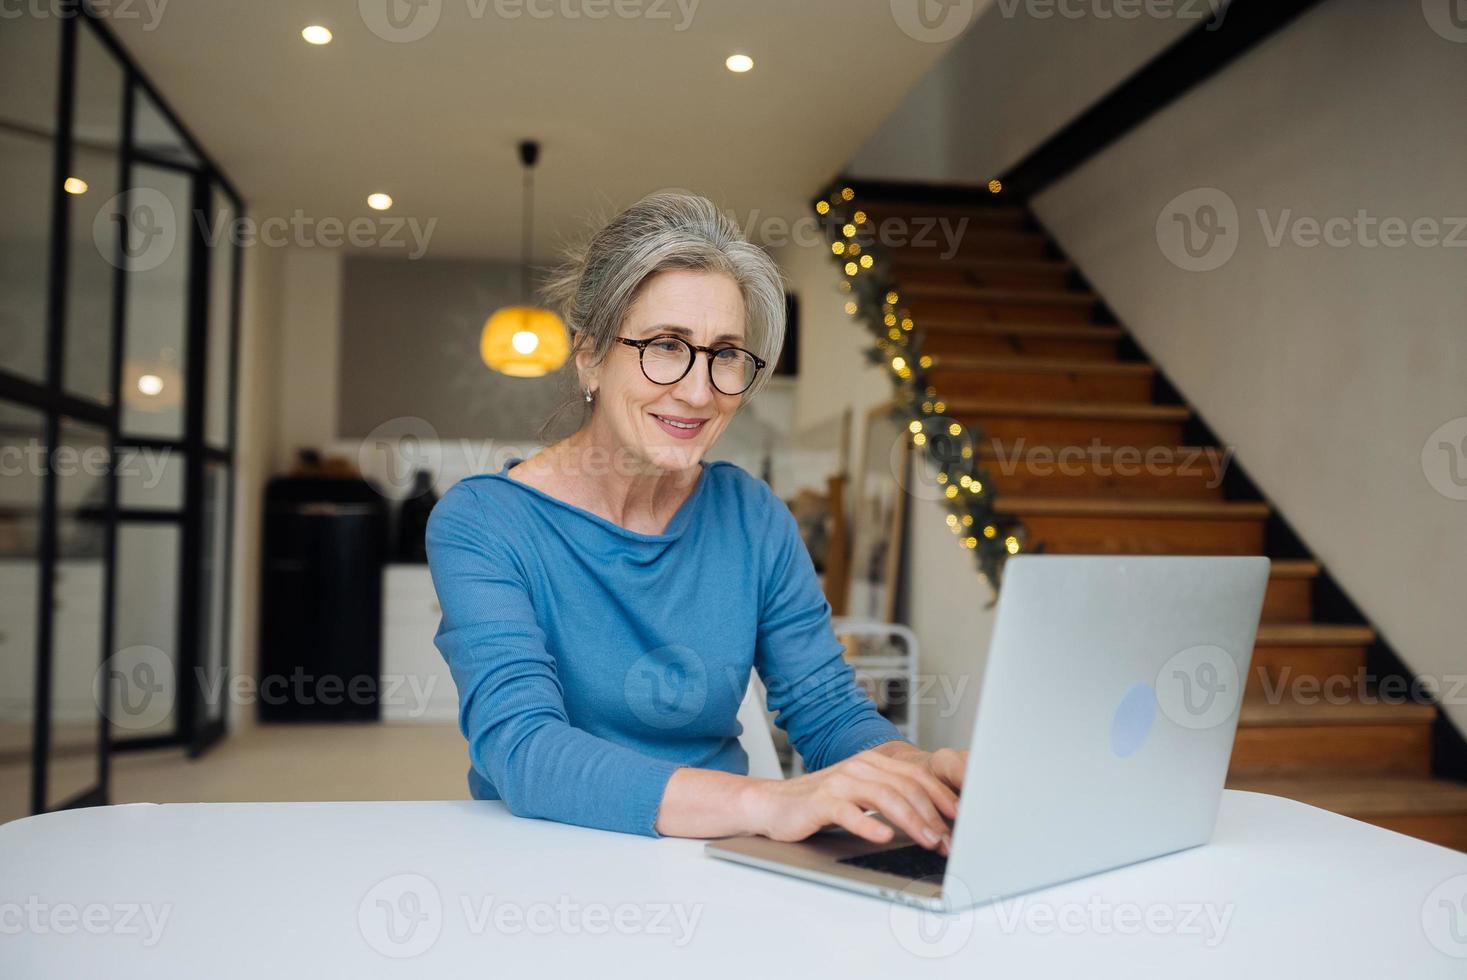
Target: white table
{"x": 304, "y": 890}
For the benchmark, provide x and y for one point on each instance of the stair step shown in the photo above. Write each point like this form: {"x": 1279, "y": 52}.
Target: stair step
{"x": 978, "y": 215}
{"x": 912, "y": 268}
{"x": 1305, "y": 659}
{"x": 972, "y": 242}
{"x": 1191, "y": 472}
{"x": 1351, "y": 738}
{"x": 961, "y": 337}
{"x": 1066, "y": 379}
{"x": 999, "y": 305}
{"x": 1290, "y": 595}
{"x": 1139, "y": 527}
{"x": 1422, "y": 806}
{"x": 1081, "y": 424}
{"x": 1259, "y": 713}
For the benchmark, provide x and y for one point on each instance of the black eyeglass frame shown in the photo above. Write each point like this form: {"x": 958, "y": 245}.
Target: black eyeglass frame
{"x": 641, "y": 346}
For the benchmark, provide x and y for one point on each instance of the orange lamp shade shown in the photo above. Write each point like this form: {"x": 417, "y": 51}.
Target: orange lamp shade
{"x": 524, "y": 341}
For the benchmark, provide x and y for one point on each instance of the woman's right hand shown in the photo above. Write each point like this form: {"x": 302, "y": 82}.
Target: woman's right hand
{"x": 906, "y": 793}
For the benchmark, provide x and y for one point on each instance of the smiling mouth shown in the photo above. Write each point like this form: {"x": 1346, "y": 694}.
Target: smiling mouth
{"x": 677, "y": 423}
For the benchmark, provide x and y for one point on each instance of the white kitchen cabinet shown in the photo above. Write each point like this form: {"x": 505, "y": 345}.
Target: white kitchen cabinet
{"x": 416, "y": 683}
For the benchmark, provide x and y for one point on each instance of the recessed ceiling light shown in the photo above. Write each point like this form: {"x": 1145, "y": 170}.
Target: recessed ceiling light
{"x": 739, "y": 63}
{"x": 316, "y": 34}
{"x": 75, "y": 185}
{"x": 150, "y": 384}
{"x": 379, "y": 202}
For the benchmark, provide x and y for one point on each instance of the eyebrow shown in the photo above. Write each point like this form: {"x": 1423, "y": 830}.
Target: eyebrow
{"x": 685, "y": 332}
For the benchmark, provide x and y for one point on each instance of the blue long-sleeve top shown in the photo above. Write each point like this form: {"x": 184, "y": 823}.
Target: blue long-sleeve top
{"x": 593, "y": 661}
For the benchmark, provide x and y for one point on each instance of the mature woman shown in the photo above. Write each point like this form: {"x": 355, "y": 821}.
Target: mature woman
{"x": 604, "y": 601}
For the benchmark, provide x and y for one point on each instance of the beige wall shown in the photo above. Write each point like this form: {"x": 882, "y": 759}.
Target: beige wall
{"x": 1008, "y": 84}
{"x": 1327, "y": 368}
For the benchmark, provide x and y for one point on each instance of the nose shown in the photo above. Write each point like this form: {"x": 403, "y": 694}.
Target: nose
{"x": 696, "y": 387}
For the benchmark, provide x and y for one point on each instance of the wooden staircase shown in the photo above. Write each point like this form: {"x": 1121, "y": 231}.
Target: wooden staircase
{"x": 1081, "y": 441}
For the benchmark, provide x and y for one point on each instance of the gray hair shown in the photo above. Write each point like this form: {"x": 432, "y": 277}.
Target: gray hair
{"x": 601, "y": 278}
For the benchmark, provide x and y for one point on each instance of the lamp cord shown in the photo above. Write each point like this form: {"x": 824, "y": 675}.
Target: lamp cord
{"x": 528, "y": 224}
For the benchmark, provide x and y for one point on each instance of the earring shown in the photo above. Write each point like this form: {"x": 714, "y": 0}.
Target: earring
{"x": 588, "y": 395}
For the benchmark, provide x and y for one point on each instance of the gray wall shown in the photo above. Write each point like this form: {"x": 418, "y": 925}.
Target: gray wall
{"x": 409, "y": 347}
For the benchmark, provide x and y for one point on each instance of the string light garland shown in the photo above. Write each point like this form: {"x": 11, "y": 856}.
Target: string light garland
{"x": 873, "y": 298}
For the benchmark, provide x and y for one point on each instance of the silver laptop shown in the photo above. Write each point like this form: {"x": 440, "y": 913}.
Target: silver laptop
{"x": 1103, "y": 732}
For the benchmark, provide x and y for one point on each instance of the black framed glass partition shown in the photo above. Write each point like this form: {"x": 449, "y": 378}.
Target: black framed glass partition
{"x": 119, "y": 323}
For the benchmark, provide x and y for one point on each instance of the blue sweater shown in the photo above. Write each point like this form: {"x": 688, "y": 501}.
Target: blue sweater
{"x": 592, "y": 661}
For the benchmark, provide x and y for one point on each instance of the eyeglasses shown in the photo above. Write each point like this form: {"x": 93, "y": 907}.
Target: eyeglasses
{"x": 667, "y": 359}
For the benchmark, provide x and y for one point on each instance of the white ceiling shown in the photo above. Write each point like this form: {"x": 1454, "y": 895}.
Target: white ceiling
{"x": 622, "y": 106}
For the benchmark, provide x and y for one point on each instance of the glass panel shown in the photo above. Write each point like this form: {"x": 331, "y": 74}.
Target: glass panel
{"x": 83, "y": 467}
{"x": 149, "y": 478}
{"x": 221, "y": 306}
{"x": 158, "y": 205}
{"x": 212, "y": 577}
{"x": 142, "y": 670}
{"x": 29, "y": 54}
{"x": 96, "y": 147}
{"x": 155, "y": 136}
{"x": 22, "y": 435}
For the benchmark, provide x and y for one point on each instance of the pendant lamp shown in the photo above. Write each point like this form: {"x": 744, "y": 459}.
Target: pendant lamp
{"x": 525, "y": 341}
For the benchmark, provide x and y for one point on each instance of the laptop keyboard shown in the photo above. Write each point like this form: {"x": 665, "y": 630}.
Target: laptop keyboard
{"x": 914, "y": 861}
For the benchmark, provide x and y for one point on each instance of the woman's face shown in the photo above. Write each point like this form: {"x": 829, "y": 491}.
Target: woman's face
{"x": 639, "y": 416}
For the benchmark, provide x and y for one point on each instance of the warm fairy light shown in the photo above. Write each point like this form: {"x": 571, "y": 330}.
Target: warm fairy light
{"x": 995, "y": 185}
{"x": 925, "y": 360}
{"x": 317, "y": 35}
{"x": 897, "y": 363}
{"x": 851, "y": 268}
{"x": 919, "y": 439}
{"x": 739, "y": 63}
{"x": 839, "y": 248}
{"x": 848, "y": 230}
{"x": 74, "y": 185}
{"x": 867, "y": 262}
{"x": 859, "y": 217}
{"x": 851, "y": 307}
{"x": 951, "y": 491}
{"x": 379, "y": 201}
{"x": 846, "y": 193}
{"x": 892, "y": 297}
{"x": 822, "y": 207}
{"x": 952, "y": 520}
{"x": 150, "y": 385}
{"x": 954, "y": 429}
{"x": 990, "y": 531}
{"x": 1012, "y": 544}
